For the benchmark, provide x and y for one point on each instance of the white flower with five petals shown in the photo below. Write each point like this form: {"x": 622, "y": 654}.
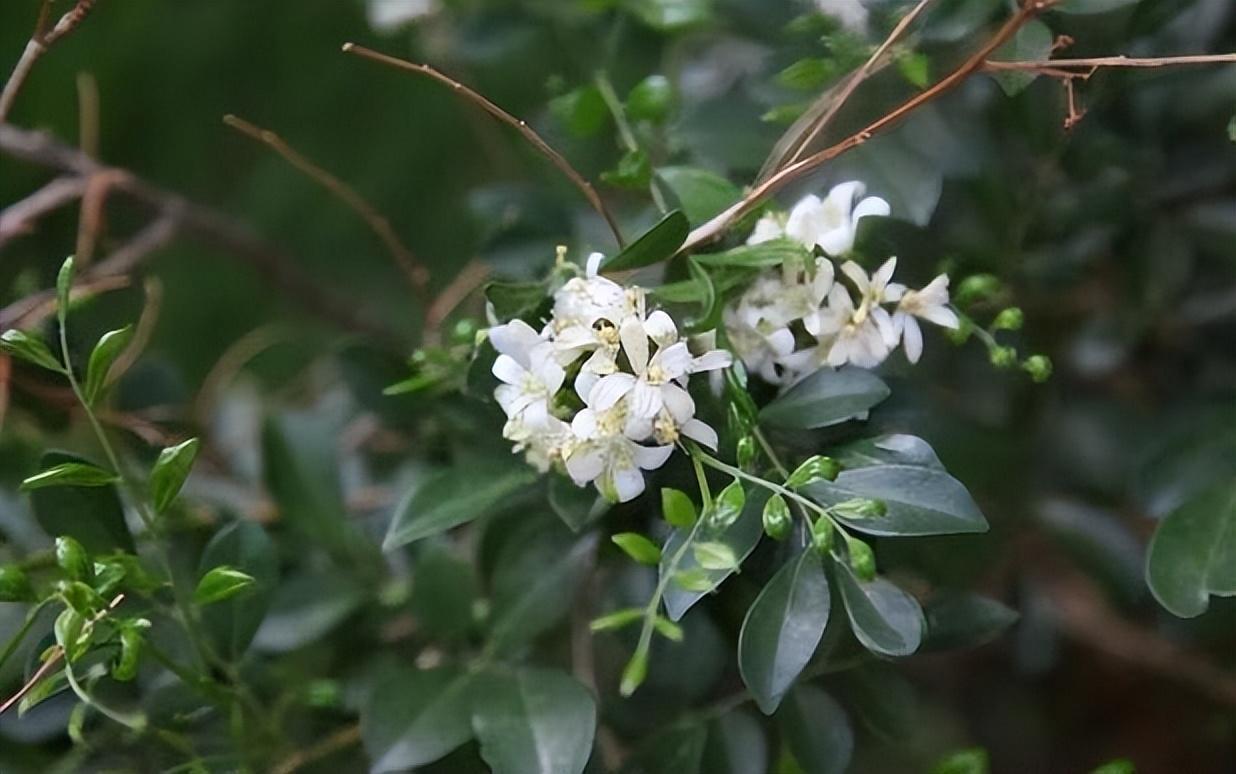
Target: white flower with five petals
{"x": 604, "y": 455}
{"x": 529, "y": 373}
{"x": 830, "y": 223}
{"x": 931, "y": 304}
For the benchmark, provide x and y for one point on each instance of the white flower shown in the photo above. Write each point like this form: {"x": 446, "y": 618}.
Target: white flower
{"x": 585, "y": 300}
{"x": 862, "y": 335}
{"x": 830, "y": 223}
{"x": 529, "y": 372}
{"x": 545, "y": 442}
{"x": 931, "y": 304}
{"x": 605, "y": 455}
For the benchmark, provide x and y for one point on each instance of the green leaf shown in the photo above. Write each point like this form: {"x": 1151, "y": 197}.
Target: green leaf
{"x": 774, "y": 252}
{"x": 701, "y": 194}
{"x": 727, "y": 506}
{"x": 414, "y": 717}
{"x": 92, "y": 515}
{"x": 964, "y": 620}
{"x": 710, "y": 302}
{"x": 451, "y": 498}
{"x": 677, "y": 507}
{"x": 782, "y": 629}
{"x": 816, "y": 730}
{"x": 1193, "y": 552}
{"x": 651, "y": 99}
{"x": 125, "y": 668}
{"x": 104, "y": 355}
{"x": 169, "y": 473}
{"x": 232, "y": 623}
{"x": 776, "y": 518}
{"x": 15, "y": 585}
{"x": 534, "y": 582}
{"x": 714, "y": 556}
{"x": 678, "y": 749}
{"x": 634, "y": 673}
{"x": 1031, "y": 43}
{"x": 918, "y": 500}
{"x": 807, "y": 74}
{"x": 671, "y": 15}
{"x": 972, "y": 760}
{"x": 64, "y": 285}
{"x": 534, "y": 721}
{"x": 885, "y": 619}
{"x": 826, "y": 398}
{"x": 577, "y": 506}
{"x": 69, "y": 474}
{"x": 72, "y": 634}
{"x": 741, "y": 535}
{"x": 444, "y": 590}
{"x": 581, "y": 111}
{"x": 736, "y": 744}
{"x": 915, "y": 68}
{"x": 515, "y": 299}
{"x": 634, "y": 171}
{"x": 617, "y": 619}
{"x": 882, "y": 700}
{"x": 220, "y": 583}
{"x": 655, "y": 245}
{"x": 305, "y": 608}
{"x": 638, "y": 547}
{"x": 72, "y": 558}
{"x": 25, "y": 347}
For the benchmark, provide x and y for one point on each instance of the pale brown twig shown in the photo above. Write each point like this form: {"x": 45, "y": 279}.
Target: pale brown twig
{"x": 17, "y": 218}
{"x": 534, "y": 139}
{"x": 38, "y": 45}
{"x": 468, "y": 280}
{"x": 6, "y": 372}
{"x": 90, "y": 223}
{"x": 413, "y": 269}
{"x": 340, "y": 740}
{"x": 1111, "y": 61}
{"x": 88, "y": 114}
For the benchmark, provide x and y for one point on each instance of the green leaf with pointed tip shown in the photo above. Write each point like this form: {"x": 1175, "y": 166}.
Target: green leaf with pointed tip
{"x": 714, "y": 556}
{"x": 104, "y": 355}
{"x": 964, "y": 620}
{"x": 655, "y": 245}
{"x": 534, "y": 582}
{"x": 918, "y": 500}
{"x": 581, "y": 111}
{"x": 817, "y": 731}
{"x": 677, "y": 508}
{"x": 638, "y": 547}
{"x": 220, "y": 583}
{"x": 651, "y": 99}
{"x": 741, "y": 535}
{"x": 170, "y": 471}
{"x": 515, "y": 299}
{"x": 782, "y": 629}
{"x": 452, "y": 498}
{"x": 701, "y": 194}
{"x": 885, "y": 619}
{"x": 761, "y": 256}
{"x": 415, "y": 717}
{"x": 25, "y": 347}
{"x": 825, "y": 398}
{"x": 69, "y": 474}
{"x": 91, "y": 514}
{"x": 577, "y": 506}
{"x": 534, "y": 721}
{"x": 232, "y": 623}
{"x": 1193, "y": 552}
{"x": 1033, "y": 42}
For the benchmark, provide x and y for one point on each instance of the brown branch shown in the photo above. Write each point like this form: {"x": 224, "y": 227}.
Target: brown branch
{"x": 38, "y": 45}
{"x": 203, "y": 224}
{"x": 17, "y": 218}
{"x": 88, "y": 114}
{"x": 413, "y": 269}
{"x": 340, "y": 740}
{"x": 468, "y": 280}
{"x": 717, "y": 226}
{"x": 1043, "y": 65}
{"x": 521, "y": 126}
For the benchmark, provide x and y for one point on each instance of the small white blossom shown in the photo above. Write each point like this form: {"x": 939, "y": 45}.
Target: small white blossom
{"x": 604, "y": 455}
{"x": 931, "y": 304}
{"x": 830, "y": 223}
{"x": 526, "y": 366}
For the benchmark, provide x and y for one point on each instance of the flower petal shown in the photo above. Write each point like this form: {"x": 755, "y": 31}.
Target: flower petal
{"x": 652, "y": 457}
{"x": 661, "y": 329}
{"x": 872, "y": 205}
{"x": 635, "y": 343}
{"x": 628, "y": 483}
{"x": 516, "y": 339}
{"x": 712, "y": 361}
{"x": 594, "y": 264}
{"x": 645, "y": 400}
{"x": 585, "y": 464}
{"x": 942, "y": 316}
{"x": 698, "y": 431}
{"x": 857, "y": 276}
{"x": 674, "y": 360}
{"x": 508, "y": 370}
{"x": 912, "y": 339}
{"x": 678, "y": 402}
{"x": 609, "y": 391}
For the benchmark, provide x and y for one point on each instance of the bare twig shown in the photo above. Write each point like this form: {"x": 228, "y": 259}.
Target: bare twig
{"x": 38, "y": 45}
{"x": 88, "y": 114}
{"x": 17, "y": 218}
{"x": 717, "y": 226}
{"x": 6, "y": 372}
{"x": 204, "y": 224}
{"x": 413, "y": 269}
{"x": 340, "y": 740}
{"x": 90, "y": 223}
{"x": 1110, "y": 61}
{"x": 519, "y": 124}
{"x": 468, "y": 280}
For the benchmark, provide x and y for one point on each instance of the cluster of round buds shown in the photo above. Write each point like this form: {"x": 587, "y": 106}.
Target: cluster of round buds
{"x": 600, "y": 390}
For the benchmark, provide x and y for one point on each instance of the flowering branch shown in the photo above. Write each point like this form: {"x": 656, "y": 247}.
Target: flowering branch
{"x": 520, "y": 125}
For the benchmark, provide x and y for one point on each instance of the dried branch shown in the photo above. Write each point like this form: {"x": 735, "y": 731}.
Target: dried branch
{"x": 18, "y": 218}
{"x": 38, "y": 45}
{"x": 564, "y": 166}
{"x": 413, "y": 269}
{"x": 786, "y": 175}
{"x": 1048, "y": 65}
{"x": 336, "y": 742}
{"x": 469, "y": 279}
{"x": 201, "y": 223}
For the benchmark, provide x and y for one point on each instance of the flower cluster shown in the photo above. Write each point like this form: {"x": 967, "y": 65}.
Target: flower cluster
{"x": 790, "y": 322}
{"x": 627, "y": 404}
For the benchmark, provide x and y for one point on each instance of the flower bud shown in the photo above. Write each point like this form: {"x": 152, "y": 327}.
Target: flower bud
{"x": 1010, "y": 319}
{"x": 1039, "y": 367}
{"x": 73, "y": 559}
{"x": 860, "y": 508}
{"x": 777, "y": 521}
{"x": 464, "y": 331}
{"x": 822, "y": 533}
{"x": 959, "y": 335}
{"x": 746, "y": 452}
{"x": 862, "y": 558}
{"x": 1003, "y": 357}
{"x": 14, "y": 585}
{"x": 728, "y": 505}
{"x": 976, "y": 288}
{"x": 814, "y": 469}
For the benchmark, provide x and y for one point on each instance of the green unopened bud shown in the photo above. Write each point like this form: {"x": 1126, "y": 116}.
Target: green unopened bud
{"x": 1039, "y": 367}
{"x": 822, "y": 535}
{"x": 464, "y": 331}
{"x": 860, "y": 508}
{"x": 862, "y": 558}
{"x": 1003, "y": 357}
{"x": 814, "y": 469}
{"x": 959, "y": 335}
{"x": 1010, "y": 319}
{"x": 73, "y": 559}
{"x": 14, "y": 585}
{"x": 976, "y": 288}
{"x": 728, "y": 505}
{"x": 746, "y": 452}
{"x": 777, "y": 521}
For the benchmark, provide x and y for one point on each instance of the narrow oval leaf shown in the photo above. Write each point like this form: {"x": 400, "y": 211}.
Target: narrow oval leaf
{"x": 415, "y": 717}
{"x": 232, "y": 623}
{"x": 885, "y": 619}
{"x": 69, "y": 474}
{"x": 657, "y": 243}
{"x": 534, "y": 721}
{"x": 964, "y": 620}
{"x": 104, "y": 355}
{"x": 453, "y": 498}
{"x": 741, "y": 535}
{"x": 917, "y": 500}
{"x": 700, "y": 193}
{"x": 92, "y": 515}
{"x": 825, "y": 398}
{"x": 714, "y": 556}
{"x": 638, "y": 547}
{"x": 817, "y": 731}
{"x": 677, "y": 508}
{"x": 782, "y": 629}
{"x": 535, "y": 581}
{"x": 220, "y": 583}
{"x": 170, "y": 471}
{"x": 763, "y": 255}
{"x": 1193, "y": 553}
{"x": 25, "y": 347}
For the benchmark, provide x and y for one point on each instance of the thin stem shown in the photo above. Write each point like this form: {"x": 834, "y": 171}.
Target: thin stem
{"x": 770, "y": 452}
{"x": 1042, "y": 65}
{"x": 16, "y": 641}
{"x": 702, "y": 479}
{"x": 625, "y": 133}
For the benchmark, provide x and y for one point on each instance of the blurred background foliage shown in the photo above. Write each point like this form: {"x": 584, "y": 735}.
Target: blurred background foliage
{"x": 1117, "y": 239}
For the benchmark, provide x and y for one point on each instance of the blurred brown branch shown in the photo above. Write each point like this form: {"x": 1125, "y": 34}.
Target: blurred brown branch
{"x": 18, "y": 218}
{"x": 40, "y": 41}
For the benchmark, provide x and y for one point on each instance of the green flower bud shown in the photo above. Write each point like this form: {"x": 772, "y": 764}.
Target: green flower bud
{"x": 860, "y": 508}
{"x": 464, "y": 331}
{"x": 959, "y": 335}
{"x": 73, "y": 559}
{"x": 976, "y": 288}
{"x": 14, "y": 585}
{"x": 1010, "y": 319}
{"x": 1039, "y": 367}
{"x": 777, "y": 521}
{"x": 728, "y": 505}
{"x": 1003, "y": 357}
{"x": 862, "y": 558}
{"x": 746, "y": 452}
{"x": 822, "y": 534}
{"x": 814, "y": 469}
